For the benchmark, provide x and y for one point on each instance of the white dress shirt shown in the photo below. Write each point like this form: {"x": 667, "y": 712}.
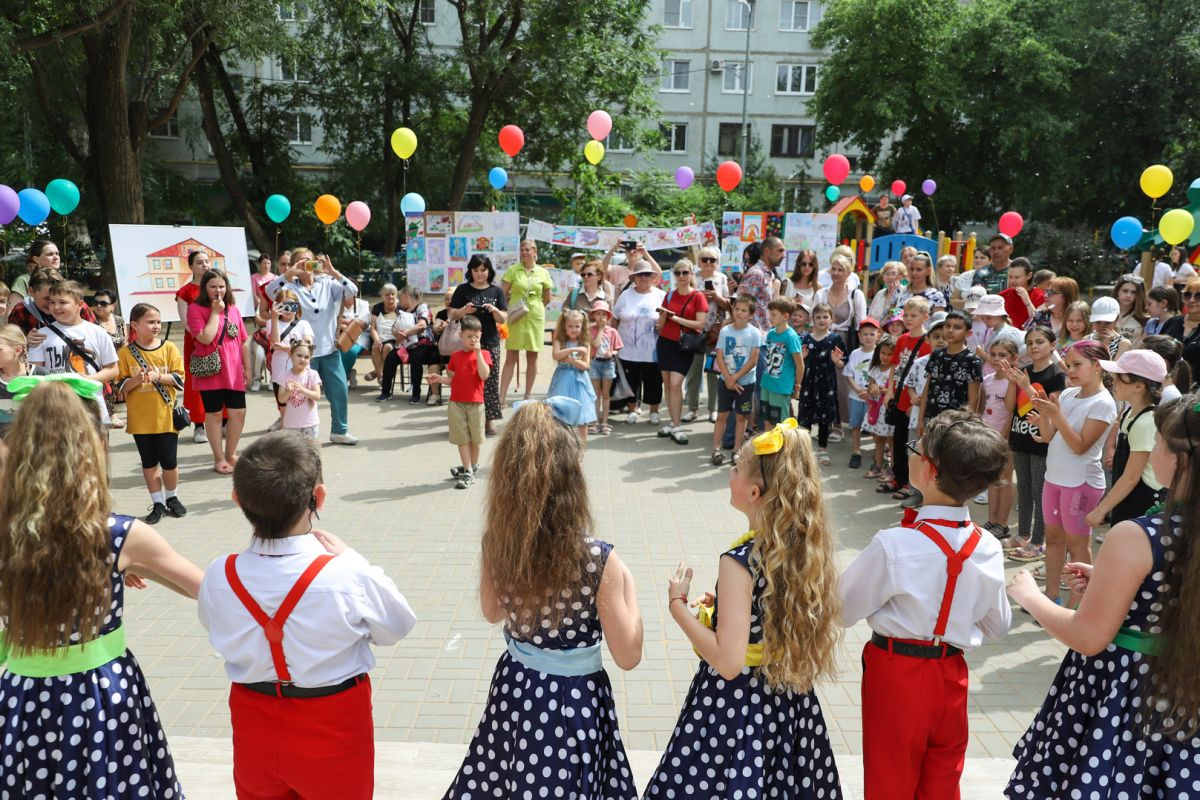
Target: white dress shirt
{"x": 897, "y": 583}
{"x": 328, "y": 636}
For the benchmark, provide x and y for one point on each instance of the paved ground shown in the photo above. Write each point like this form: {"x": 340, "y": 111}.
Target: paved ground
{"x": 392, "y": 499}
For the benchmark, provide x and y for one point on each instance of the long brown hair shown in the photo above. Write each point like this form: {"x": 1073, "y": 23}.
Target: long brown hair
{"x": 55, "y": 572}
{"x": 793, "y": 551}
{"x": 537, "y": 514}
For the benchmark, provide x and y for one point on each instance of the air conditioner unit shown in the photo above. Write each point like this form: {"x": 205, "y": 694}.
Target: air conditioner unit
{"x": 716, "y": 65}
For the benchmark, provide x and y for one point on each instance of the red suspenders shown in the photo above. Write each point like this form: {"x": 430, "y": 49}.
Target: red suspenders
{"x": 954, "y": 566}
{"x": 273, "y": 626}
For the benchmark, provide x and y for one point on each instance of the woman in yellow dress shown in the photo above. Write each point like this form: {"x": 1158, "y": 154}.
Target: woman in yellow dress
{"x": 526, "y": 285}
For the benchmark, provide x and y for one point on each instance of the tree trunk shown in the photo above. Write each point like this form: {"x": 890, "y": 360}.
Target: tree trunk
{"x": 481, "y": 104}
{"x": 391, "y": 182}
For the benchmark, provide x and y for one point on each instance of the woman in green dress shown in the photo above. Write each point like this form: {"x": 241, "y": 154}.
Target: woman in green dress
{"x": 525, "y": 285}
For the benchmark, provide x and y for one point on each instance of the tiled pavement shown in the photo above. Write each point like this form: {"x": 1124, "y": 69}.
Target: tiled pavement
{"x": 392, "y": 499}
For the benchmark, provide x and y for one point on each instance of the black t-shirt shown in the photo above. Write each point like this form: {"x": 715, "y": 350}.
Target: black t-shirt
{"x": 466, "y": 295}
{"x": 947, "y": 379}
{"x": 1020, "y": 440}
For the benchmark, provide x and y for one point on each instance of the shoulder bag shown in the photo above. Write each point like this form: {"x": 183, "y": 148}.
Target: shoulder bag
{"x": 690, "y": 341}
{"x": 209, "y": 365}
{"x": 179, "y": 415}
{"x": 893, "y": 415}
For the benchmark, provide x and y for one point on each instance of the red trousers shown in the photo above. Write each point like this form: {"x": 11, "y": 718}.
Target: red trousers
{"x": 311, "y": 748}
{"x": 914, "y": 725}
{"x": 191, "y": 395}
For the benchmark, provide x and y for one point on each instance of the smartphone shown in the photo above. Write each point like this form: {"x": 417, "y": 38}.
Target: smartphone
{"x": 313, "y": 266}
{"x": 709, "y": 284}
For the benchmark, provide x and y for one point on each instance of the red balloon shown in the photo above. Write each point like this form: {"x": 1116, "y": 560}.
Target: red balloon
{"x": 1011, "y": 223}
{"x": 836, "y": 168}
{"x": 512, "y": 139}
{"x": 898, "y": 188}
{"x": 729, "y": 175}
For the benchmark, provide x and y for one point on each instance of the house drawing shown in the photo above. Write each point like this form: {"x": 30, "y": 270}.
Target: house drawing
{"x": 167, "y": 269}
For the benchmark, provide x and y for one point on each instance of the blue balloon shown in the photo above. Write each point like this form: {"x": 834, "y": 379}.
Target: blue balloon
{"x": 35, "y": 206}
{"x": 278, "y": 207}
{"x": 412, "y": 203}
{"x": 1126, "y": 232}
{"x": 498, "y": 177}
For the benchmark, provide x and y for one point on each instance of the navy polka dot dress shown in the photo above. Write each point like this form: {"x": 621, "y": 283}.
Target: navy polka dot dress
{"x": 1089, "y": 740}
{"x": 547, "y": 735}
{"x": 741, "y": 739}
{"x": 818, "y": 388}
{"x": 93, "y": 734}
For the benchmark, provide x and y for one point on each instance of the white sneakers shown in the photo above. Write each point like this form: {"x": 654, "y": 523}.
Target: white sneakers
{"x": 199, "y": 436}
{"x": 343, "y": 438}
{"x": 689, "y": 416}
{"x": 655, "y": 418}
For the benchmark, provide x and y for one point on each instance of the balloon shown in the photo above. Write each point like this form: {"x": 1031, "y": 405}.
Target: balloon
{"x": 599, "y": 124}
{"x": 1193, "y": 194}
{"x": 278, "y": 208}
{"x": 512, "y": 139}
{"x": 729, "y": 175}
{"x": 593, "y": 151}
{"x": 328, "y": 208}
{"x": 832, "y": 193}
{"x": 1156, "y": 180}
{"x": 1011, "y": 223}
{"x": 412, "y": 203}
{"x": 35, "y": 206}
{"x": 498, "y": 177}
{"x": 836, "y": 168}
{"x": 898, "y": 188}
{"x": 9, "y": 204}
{"x": 630, "y": 220}
{"x": 684, "y": 177}
{"x": 866, "y": 183}
{"x": 63, "y": 196}
{"x": 358, "y": 215}
{"x": 1126, "y": 232}
{"x": 928, "y": 187}
{"x": 1176, "y": 225}
{"x": 404, "y": 142}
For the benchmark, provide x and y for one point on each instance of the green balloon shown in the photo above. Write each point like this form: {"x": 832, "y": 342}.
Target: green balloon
{"x": 832, "y": 193}
{"x": 63, "y": 196}
{"x": 278, "y": 208}
{"x": 1193, "y": 193}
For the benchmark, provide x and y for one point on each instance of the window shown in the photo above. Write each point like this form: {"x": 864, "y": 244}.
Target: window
{"x": 427, "y": 12}
{"x": 796, "y": 79}
{"x": 729, "y": 138}
{"x": 676, "y": 76}
{"x": 793, "y": 15}
{"x": 792, "y": 141}
{"x": 158, "y": 283}
{"x": 168, "y": 130}
{"x": 290, "y": 69}
{"x": 290, "y": 12}
{"x": 738, "y": 15}
{"x": 676, "y": 136}
{"x": 301, "y": 130}
{"x": 677, "y": 14}
{"x": 733, "y": 81}
{"x": 155, "y": 264}
{"x": 170, "y": 283}
{"x": 168, "y": 264}
{"x": 616, "y": 143}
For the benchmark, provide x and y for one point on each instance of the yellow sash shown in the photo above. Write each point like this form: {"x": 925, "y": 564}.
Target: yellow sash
{"x": 754, "y": 650}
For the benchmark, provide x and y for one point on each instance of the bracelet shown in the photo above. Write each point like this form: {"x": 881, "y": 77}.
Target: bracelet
{"x": 682, "y": 598}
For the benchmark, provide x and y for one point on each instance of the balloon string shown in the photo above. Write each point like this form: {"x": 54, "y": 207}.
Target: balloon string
{"x": 277, "y": 231}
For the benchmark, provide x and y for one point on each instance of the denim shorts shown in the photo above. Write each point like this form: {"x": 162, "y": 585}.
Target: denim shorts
{"x": 858, "y": 413}
{"x": 603, "y": 369}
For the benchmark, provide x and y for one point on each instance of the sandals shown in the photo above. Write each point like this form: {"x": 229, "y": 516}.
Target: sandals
{"x": 904, "y": 493}
{"x": 223, "y": 468}
{"x": 888, "y": 488}
{"x": 874, "y": 472}
{"x": 1026, "y": 553}
{"x": 593, "y": 429}
{"x": 679, "y": 436}
{"x": 717, "y": 458}
{"x": 605, "y": 429}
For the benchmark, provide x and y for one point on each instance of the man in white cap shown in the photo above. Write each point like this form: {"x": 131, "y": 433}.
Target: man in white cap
{"x": 907, "y": 217}
{"x": 993, "y": 276}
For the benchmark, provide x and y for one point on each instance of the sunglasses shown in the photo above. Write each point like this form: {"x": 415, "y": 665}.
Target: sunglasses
{"x": 103, "y": 303}
{"x": 588, "y": 274}
{"x": 707, "y": 260}
{"x": 1190, "y": 295}
{"x": 683, "y": 272}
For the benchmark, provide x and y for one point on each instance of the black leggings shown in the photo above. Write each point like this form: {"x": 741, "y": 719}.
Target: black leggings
{"x": 822, "y": 434}
{"x": 900, "y": 453}
{"x": 645, "y": 381}
{"x": 418, "y": 358}
{"x": 157, "y": 449}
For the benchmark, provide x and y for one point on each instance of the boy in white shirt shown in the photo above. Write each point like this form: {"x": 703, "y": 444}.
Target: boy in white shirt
{"x": 857, "y": 366}
{"x": 294, "y": 616}
{"x": 929, "y": 589}
{"x": 72, "y": 344}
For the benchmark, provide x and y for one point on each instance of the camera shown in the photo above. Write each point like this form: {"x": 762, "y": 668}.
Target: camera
{"x": 629, "y": 245}
{"x": 313, "y": 266}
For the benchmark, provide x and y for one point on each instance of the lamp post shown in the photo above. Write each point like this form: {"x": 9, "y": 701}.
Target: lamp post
{"x": 749, "y": 4}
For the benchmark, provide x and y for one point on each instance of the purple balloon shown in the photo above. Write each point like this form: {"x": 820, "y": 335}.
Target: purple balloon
{"x": 684, "y": 177}
{"x": 9, "y": 204}
{"x": 929, "y": 186}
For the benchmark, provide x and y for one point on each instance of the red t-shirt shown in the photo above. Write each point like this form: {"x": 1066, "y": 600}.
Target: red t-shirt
{"x": 188, "y": 293}
{"x": 466, "y": 386}
{"x": 1018, "y": 314}
{"x": 688, "y": 306}
{"x": 900, "y": 356}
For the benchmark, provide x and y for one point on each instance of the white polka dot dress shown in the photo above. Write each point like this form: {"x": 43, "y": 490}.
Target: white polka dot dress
{"x": 92, "y": 734}
{"x": 1090, "y": 740}
{"x": 548, "y": 735}
{"x": 742, "y": 740}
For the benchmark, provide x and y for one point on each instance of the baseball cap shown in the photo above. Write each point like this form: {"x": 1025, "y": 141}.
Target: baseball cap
{"x": 972, "y": 296}
{"x": 577, "y": 255}
{"x": 936, "y": 321}
{"x": 868, "y": 321}
{"x": 1002, "y": 236}
{"x": 906, "y": 197}
{"x": 990, "y": 305}
{"x": 643, "y": 268}
{"x": 602, "y": 305}
{"x": 1105, "y": 309}
{"x": 1142, "y": 363}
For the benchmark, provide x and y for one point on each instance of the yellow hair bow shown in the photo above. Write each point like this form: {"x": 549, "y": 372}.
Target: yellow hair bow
{"x": 771, "y": 441}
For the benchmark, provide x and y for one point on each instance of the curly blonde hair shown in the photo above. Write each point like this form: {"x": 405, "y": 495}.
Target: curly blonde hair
{"x": 793, "y": 551}
{"x": 560, "y": 330}
{"x": 55, "y": 547}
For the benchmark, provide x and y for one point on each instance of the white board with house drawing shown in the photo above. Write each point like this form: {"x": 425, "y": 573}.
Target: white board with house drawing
{"x": 151, "y": 263}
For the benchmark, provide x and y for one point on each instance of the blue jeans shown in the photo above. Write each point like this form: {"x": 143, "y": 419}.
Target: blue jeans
{"x": 333, "y": 380}
{"x": 350, "y": 357}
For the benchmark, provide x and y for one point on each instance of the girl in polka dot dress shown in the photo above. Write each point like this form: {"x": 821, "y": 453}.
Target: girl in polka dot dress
{"x": 1121, "y": 718}
{"x": 751, "y": 726}
{"x": 549, "y": 726}
{"x": 75, "y": 721}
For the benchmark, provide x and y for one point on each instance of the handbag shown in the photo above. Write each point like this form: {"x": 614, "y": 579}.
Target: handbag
{"x": 451, "y": 338}
{"x": 517, "y": 312}
{"x": 620, "y": 391}
{"x": 893, "y": 415}
{"x": 209, "y": 365}
{"x": 180, "y": 418}
{"x": 349, "y": 335}
{"x": 690, "y": 341}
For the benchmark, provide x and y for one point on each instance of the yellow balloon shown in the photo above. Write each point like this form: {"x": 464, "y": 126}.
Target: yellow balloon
{"x": 593, "y": 151}
{"x": 1156, "y": 181}
{"x": 404, "y": 142}
{"x": 866, "y": 183}
{"x": 1176, "y": 225}
{"x": 328, "y": 208}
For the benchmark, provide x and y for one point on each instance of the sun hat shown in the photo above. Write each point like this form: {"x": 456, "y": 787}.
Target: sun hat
{"x": 602, "y": 305}
{"x": 1105, "y": 309}
{"x": 1142, "y": 363}
{"x": 972, "y": 296}
{"x": 894, "y": 318}
{"x": 643, "y": 268}
{"x": 990, "y": 305}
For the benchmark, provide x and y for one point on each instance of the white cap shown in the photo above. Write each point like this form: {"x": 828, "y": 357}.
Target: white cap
{"x": 990, "y": 305}
{"x": 972, "y": 296}
{"x": 1105, "y": 309}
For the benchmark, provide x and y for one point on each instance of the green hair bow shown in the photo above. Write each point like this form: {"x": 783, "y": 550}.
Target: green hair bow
{"x": 22, "y": 385}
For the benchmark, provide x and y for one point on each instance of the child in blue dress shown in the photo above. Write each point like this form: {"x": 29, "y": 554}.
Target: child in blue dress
{"x": 571, "y": 347}
{"x": 76, "y": 717}
{"x": 751, "y": 725}
{"x": 1121, "y": 717}
{"x": 549, "y": 728}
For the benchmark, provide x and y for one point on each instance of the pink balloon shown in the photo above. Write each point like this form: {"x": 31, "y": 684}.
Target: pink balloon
{"x": 836, "y": 168}
{"x": 1011, "y": 223}
{"x": 898, "y": 188}
{"x": 599, "y": 124}
{"x": 358, "y": 215}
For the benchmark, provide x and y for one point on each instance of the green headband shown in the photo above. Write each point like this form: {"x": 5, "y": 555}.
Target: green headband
{"x": 22, "y": 385}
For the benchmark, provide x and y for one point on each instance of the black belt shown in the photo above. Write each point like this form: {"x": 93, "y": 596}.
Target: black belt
{"x": 903, "y": 648}
{"x": 276, "y": 689}
{"x": 598, "y": 358}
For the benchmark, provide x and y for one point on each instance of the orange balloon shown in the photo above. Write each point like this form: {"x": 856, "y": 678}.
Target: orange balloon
{"x": 866, "y": 183}
{"x": 328, "y": 208}
{"x": 630, "y": 220}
